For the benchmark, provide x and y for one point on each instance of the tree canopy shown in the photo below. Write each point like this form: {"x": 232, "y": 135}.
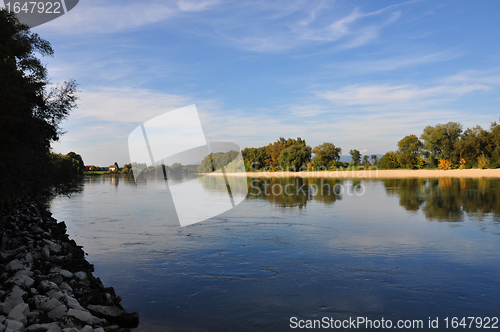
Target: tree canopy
{"x": 355, "y": 156}
{"x": 440, "y": 142}
{"x": 409, "y": 148}
{"x": 30, "y": 111}
{"x": 325, "y": 154}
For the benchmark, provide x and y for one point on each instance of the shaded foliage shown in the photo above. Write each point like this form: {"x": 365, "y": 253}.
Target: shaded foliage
{"x": 30, "y": 113}
{"x": 409, "y": 149}
{"x": 215, "y": 161}
{"x": 355, "y": 157}
{"x": 295, "y": 157}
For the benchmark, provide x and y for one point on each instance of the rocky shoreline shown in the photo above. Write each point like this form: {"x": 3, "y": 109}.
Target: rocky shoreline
{"x": 46, "y": 284}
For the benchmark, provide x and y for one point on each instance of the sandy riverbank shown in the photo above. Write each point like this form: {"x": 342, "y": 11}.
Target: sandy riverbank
{"x": 374, "y": 174}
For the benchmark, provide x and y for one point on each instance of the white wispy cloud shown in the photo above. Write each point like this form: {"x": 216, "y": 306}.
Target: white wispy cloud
{"x": 490, "y": 76}
{"x": 256, "y": 26}
{"x": 126, "y": 105}
{"x": 93, "y": 16}
{"x": 319, "y": 25}
{"x": 196, "y": 5}
{"x": 390, "y": 94}
{"x": 392, "y": 62}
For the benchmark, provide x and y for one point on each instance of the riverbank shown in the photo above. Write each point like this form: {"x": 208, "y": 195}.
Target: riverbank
{"x": 375, "y": 174}
{"x": 46, "y": 284}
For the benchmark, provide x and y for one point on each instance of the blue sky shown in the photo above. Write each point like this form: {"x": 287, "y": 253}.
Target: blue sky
{"x": 359, "y": 74}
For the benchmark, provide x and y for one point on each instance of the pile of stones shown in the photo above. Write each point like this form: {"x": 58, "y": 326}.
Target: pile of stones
{"x": 46, "y": 284}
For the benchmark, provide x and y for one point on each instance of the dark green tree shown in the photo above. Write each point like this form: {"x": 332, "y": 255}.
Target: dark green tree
{"x": 77, "y": 162}
{"x": 389, "y": 161}
{"x": 216, "y": 161}
{"x": 255, "y": 158}
{"x": 495, "y": 142}
{"x": 440, "y": 142}
{"x": 409, "y": 149}
{"x": 294, "y": 157}
{"x": 325, "y": 154}
{"x": 30, "y": 112}
{"x": 273, "y": 150}
{"x": 472, "y": 142}
{"x": 355, "y": 157}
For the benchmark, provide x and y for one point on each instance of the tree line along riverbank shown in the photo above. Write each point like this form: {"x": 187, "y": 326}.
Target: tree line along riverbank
{"x": 46, "y": 284}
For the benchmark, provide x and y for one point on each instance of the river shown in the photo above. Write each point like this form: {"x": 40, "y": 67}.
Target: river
{"x": 404, "y": 250}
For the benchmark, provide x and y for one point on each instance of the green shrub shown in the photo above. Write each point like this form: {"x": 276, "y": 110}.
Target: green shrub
{"x": 483, "y": 161}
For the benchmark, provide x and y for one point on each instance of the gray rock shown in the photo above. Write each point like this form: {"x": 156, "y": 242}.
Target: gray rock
{"x": 99, "y": 329}
{"x": 85, "y": 283}
{"x": 15, "y": 296}
{"x": 57, "y": 279}
{"x": 20, "y": 313}
{"x": 87, "y": 328}
{"x": 67, "y": 321}
{"x": 33, "y": 316}
{"x": 22, "y": 281}
{"x": 40, "y": 300}
{"x": 72, "y": 303}
{"x": 46, "y": 286}
{"x": 64, "y": 273}
{"x": 81, "y": 275}
{"x": 99, "y": 321}
{"x": 4, "y": 256}
{"x": 109, "y": 299}
{"x": 2, "y": 319}
{"x": 36, "y": 230}
{"x": 58, "y": 312}
{"x": 14, "y": 325}
{"x": 55, "y": 294}
{"x": 5, "y": 308}
{"x": 65, "y": 287}
{"x": 2, "y": 327}
{"x": 46, "y": 251}
{"x": 43, "y": 327}
{"x": 109, "y": 311}
{"x": 70, "y": 329}
{"x": 15, "y": 265}
{"x": 50, "y": 305}
{"x": 82, "y": 316}
{"x": 28, "y": 258}
{"x": 24, "y": 272}
{"x": 2, "y": 293}
{"x": 33, "y": 291}
{"x": 55, "y": 328}
{"x": 54, "y": 247}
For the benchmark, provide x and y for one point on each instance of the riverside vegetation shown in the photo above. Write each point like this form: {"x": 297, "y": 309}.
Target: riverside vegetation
{"x": 45, "y": 282}
{"x": 443, "y": 146}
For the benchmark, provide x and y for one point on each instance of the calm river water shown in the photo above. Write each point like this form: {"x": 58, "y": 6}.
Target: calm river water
{"x": 400, "y": 249}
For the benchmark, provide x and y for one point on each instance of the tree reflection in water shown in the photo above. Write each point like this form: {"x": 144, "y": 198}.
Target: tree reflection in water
{"x": 289, "y": 192}
{"x": 448, "y": 199}
{"x": 440, "y": 199}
